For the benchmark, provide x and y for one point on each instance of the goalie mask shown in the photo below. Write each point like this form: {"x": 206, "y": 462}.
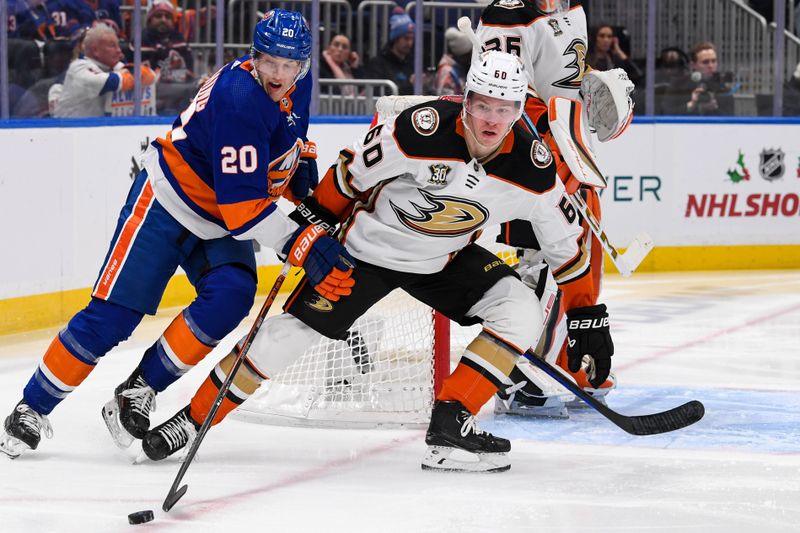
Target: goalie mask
{"x": 552, "y": 7}
{"x": 495, "y": 93}
{"x": 283, "y": 35}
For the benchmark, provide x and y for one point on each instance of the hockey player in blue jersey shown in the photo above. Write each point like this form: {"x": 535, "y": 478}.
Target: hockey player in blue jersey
{"x": 208, "y": 188}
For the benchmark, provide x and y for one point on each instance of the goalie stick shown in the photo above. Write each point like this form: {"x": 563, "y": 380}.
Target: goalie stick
{"x": 176, "y": 493}
{"x": 653, "y": 424}
{"x": 641, "y": 245}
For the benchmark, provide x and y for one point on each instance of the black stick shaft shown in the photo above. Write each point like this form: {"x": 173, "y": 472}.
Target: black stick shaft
{"x": 176, "y": 494}
{"x": 663, "y": 422}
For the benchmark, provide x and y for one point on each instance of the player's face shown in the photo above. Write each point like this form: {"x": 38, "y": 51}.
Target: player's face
{"x": 277, "y": 74}
{"x": 489, "y": 119}
{"x": 106, "y": 50}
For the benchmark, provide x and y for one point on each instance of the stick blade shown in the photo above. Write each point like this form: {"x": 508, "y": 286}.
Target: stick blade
{"x": 676, "y": 418}
{"x": 637, "y": 251}
{"x": 173, "y": 497}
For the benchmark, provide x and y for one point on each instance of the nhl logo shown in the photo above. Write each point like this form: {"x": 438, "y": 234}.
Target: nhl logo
{"x": 439, "y": 173}
{"x": 425, "y": 121}
{"x": 554, "y": 25}
{"x": 771, "y": 165}
{"x": 540, "y": 154}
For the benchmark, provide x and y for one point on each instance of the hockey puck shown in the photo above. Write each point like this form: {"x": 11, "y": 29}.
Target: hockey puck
{"x": 140, "y": 517}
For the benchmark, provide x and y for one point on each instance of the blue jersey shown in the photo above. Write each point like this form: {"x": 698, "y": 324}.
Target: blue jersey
{"x": 230, "y": 156}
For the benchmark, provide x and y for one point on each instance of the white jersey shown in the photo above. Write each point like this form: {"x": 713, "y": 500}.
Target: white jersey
{"x": 552, "y": 48}
{"x": 81, "y": 92}
{"x": 417, "y": 196}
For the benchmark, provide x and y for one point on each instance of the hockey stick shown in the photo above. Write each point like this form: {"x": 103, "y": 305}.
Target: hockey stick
{"x": 663, "y": 422}
{"x": 176, "y": 493}
{"x": 641, "y": 245}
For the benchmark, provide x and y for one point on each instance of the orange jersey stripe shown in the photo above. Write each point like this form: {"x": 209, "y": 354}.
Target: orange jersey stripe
{"x": 65, "y": 366}
{"x": 123, "y": 245}
{"x": 238, "y": 214}
{"x": 329, "y": 196}
{"x": 468, "y": 387}
{"x": 191, "y": 184}
{"x": 183, "y": 342}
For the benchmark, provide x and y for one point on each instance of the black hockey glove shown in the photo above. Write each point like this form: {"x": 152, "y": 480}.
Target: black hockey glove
{"x": 589, "y": 334}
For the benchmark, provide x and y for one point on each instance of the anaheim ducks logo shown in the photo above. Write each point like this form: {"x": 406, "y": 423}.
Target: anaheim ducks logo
{"x": 318, "y": 303}
{"x": 444, "y": 216}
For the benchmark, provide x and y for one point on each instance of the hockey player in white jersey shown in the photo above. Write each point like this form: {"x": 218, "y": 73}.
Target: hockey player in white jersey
{"x": 411, "y": 198}
{"x": 550, "y": 38}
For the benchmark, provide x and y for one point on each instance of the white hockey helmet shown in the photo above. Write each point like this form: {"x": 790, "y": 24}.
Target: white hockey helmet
{"x": 497, "y": 75}
{"x": 552, "y": 7}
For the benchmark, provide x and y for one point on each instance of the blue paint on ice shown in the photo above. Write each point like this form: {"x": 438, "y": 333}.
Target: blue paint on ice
{"x": 736, "y": 420}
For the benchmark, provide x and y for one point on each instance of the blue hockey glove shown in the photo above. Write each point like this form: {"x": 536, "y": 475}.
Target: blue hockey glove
{"x": 327, "y": 263}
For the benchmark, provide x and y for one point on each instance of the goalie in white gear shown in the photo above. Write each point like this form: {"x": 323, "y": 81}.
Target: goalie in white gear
{"x": 412, "y": 198}
{"x": 550, "y": 38}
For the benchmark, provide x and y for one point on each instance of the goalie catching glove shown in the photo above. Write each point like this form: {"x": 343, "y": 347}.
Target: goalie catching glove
{"x": 328, "y": 265}
{"x": 589, "y": 334}
{"x": 608, "y": 104}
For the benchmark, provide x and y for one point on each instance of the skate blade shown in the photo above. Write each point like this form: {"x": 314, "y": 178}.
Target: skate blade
{"x": 439, "y": 458}
{"x": 121, "y": 438}
{"x": 12, "y": 446}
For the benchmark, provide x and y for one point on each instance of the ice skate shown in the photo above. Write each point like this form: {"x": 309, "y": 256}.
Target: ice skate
{"x": 534, "y": 393}
{"x": 453, "y": 429}
{"x": 23, "y": 430}
{"x": 599, "y": 393}
{"x": 173, "y": 435}
{"x": 127, "y": 415}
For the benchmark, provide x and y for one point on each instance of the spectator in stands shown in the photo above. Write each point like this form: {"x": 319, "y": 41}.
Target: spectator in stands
{"x": 395, "y": 61}
{"x": 34, "y": 103}
{"x": 95, "y": 75}
{"x": 605, "y": 53}
{"x": 59, "y": 19}
{"x": 341, "y": 62}
{"x": 703, "y": 91}
{"x": 165, "y": 48}
{"x": 453, "y": 67}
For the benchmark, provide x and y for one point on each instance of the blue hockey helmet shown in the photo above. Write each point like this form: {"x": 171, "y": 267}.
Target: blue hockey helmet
{"x": 284, "y": 34}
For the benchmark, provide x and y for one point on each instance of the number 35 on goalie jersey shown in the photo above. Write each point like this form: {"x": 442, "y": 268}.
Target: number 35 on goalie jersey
{"x": 410, "y": 195}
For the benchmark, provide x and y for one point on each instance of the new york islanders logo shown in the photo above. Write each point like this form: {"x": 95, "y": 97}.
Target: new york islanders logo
{"x": 444, "y": 216}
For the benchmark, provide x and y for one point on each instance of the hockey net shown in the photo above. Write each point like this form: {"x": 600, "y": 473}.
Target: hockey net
{"x": 386, "y": 373}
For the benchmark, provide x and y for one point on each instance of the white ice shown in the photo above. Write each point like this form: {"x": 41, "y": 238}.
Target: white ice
{"x": 728, "y": 339}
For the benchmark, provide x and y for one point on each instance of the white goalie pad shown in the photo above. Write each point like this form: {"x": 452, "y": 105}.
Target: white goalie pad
{"x": 609, "y": 108}
{"x": 566, "y": 125}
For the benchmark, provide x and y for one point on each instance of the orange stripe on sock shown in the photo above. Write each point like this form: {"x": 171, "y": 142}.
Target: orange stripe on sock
{"x": 183, "y": 342}
{"x": 204, "y": 399}
{"x": 65, "y": 366}
{"x": 468, "y": 387}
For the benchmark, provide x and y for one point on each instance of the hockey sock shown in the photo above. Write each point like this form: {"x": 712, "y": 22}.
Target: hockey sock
{"x": 181, "y": 346}
{"x": 245, "y": 383}
{"x": 224, "y": 297}
{"x": 483, "y": 368}
{"x": 73, "y": 354}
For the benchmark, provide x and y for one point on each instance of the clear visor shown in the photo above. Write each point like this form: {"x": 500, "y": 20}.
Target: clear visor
{"x": 553, "y": 7}
{"x": 493, "y": 110}
{"x": 279, "y": 67}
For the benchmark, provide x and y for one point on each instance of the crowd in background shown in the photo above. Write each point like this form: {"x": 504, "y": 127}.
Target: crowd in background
{"x": 73, "y": 58}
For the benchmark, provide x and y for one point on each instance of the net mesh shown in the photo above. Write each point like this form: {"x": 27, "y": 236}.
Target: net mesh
{"x": 383, "y": 374}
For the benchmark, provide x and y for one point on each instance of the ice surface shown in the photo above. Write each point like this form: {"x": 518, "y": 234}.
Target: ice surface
{"x": 730, "y": 340}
